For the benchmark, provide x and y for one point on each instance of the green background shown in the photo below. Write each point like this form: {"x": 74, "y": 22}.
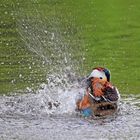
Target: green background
{"x": 98, "y": 33}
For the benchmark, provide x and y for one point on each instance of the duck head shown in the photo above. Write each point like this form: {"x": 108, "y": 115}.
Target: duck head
{"x": 101, "y": 73}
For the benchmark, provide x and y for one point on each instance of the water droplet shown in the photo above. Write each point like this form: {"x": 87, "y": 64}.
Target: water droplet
{"x": 52, "y": 38}
{"x": 20, "y": 75}
{"x": 43, "y": 62}
{"x": 29, "y": 89}
{"x": 66, "y": 60}
{"x": 5, "y": 12}
{"x": 84, "y": 58}
{"x": 46, "y": 31}
{"x": 13, "y": 81}
{"x": 2, "y": 63}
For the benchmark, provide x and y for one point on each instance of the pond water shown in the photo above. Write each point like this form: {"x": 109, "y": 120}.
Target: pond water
{"x": 30, "y": 116}
{"x": 39, "y": 38}
{"x": 45, "y": 46}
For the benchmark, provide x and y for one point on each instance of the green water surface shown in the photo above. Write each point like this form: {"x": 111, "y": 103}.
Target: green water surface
{"x": 98, "y": 33}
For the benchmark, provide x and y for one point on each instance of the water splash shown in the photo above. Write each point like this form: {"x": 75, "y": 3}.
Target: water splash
{"x": 49, "y": 41}
{"x": 44, "y": 101}
{"x": 55, "y": 44}
{"x": 35, "y": 115}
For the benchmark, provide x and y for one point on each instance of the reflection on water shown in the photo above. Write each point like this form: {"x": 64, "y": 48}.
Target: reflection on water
{"x": 30, "y": 117}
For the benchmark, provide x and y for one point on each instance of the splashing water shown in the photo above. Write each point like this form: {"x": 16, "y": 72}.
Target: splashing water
{"x": 51, "y": 115}
{"x": 51, "y": 44}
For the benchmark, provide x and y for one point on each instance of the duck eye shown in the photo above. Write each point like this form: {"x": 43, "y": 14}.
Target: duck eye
{"x": 101, "y": 78}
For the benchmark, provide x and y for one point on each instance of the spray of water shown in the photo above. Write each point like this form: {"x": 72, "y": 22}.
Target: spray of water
{"x": 62, "y": 57}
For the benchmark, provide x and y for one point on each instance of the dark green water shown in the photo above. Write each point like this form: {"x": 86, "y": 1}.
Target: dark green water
{"x": 41, "y": 36}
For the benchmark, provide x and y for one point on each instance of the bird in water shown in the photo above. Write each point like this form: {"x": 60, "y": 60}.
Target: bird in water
{"x": 101, "y": 96}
